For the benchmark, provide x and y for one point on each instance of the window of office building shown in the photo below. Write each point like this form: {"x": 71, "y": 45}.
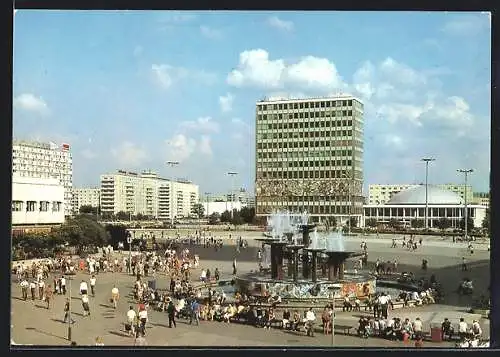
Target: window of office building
{"x": 31, "y": 206}
{"x": 17, "y": 206}
{"x": 44, "y": 206}
{"x": 56, "y": 206}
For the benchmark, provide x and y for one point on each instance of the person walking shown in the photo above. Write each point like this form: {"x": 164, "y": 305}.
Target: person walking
{"x": 171, "y": 314}
{"x": 48, "y": 295}
{"x": 85, "y": 305}
{"x": 195, "y": 312}
{"x": 41, "y": 289}
{"x": 92, "y": 284}
{"x": 143, "y": 318}
{"x": 66, "y": 312}
{"x": 63, "y": 285}
{"x": 24, "y": 288}
{"x": 131, "y": 316}
{"x": 33, "y": 290}
{"x": 83, "y": 288}
{"x": 115, "y": 296}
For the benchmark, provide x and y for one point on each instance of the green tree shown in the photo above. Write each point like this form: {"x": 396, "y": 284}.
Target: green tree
{"x": 394, "y": 223}
{"x": 470, "y": 223}
{"x": 198, "y": 210}
{"x": 486, "y": 220}
{"x": 443, "y": 223}
{"x": 225, "y": 217}
{"x": 371, "y": 222}
{"x": 117, "y": 233}
{"x": 248, "y": 214}
{"x": 123, "y": 216}
{"x": 237, "y": 219}
{"x": 82, "y": 232}
{"x": 417, "y": 223}
{"x": 88, "y": 209}
{"x": 214, "y": 218}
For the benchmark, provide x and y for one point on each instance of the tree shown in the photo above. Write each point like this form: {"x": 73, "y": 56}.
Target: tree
{"x": 470, "y": 223}
{"x": 198, "y": 210}
{"x": 417, "y": 223}
{"x": 88, "y": 209}
{"x": 237, "y": 219}
{"x": 107, "y": 216}
{"x": 117, "y": 233}
{"x": 394, "y": 223}
{"x": 214, "y": 218}
{"x": 248, "y": 214}
{"x": 486, "y": 220}
{"x": 123, "y": 216}
{"x": 82, "y": 232}
{"x": 371, "y": 222}
{"x": 443, "y": 223}
{"x": 330, "y": 222}
{"x": 225, "y": 217}
{"x": 354, "y": 222}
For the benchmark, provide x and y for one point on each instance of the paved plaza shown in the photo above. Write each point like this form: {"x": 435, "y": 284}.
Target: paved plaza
{"x": 33, "y": 324}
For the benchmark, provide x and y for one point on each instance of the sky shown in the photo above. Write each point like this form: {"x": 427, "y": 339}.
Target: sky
{"x": 134, "y": 89}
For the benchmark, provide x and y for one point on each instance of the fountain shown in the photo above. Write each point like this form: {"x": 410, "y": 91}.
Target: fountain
{"x": 291, "y": 236}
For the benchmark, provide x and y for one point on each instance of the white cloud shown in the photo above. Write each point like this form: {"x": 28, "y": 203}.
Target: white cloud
{"x": 256, "y": 69}
{"x": 467, "y": 24}
{"x": 226, "y": 102}
{"x": 166, "y": 75}
{"x": 205, "y": 145}
{"x": 202, "y": 124}
{"x": 399, "y": 72}
{"x": 210, "y": 32}
{"x": 31, "y": 103}
{"x": 129, "y": 154}
{"x": 180, "y": 147}
{"x": 282, "y": 25}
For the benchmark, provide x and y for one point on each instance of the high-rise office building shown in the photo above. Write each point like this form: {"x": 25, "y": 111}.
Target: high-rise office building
{"x": 45, "y": 160}
{"x": 309, "y": 157}
{"x": 147, "y": 194}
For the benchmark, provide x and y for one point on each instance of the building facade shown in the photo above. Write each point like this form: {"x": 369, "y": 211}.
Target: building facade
{"x": 409, "y": 205}
{"x": 309, "y": 157}
{"x": 85, "y": 197}
{"x": 147, "y": 194}
{"x": 481, "y": 198}
{"x": 37, "y": 201}
{"x": 45, "y": 160}
{"x": 380, "y": 194}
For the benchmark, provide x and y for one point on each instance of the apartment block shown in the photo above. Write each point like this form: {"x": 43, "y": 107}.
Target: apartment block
{"x": 86, "y": 196}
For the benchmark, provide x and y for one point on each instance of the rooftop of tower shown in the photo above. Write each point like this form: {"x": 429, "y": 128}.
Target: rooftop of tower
{"x": 308, "y": 99}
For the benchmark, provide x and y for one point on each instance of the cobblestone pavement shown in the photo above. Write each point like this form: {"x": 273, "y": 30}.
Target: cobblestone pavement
{"x": 31, "y": 323}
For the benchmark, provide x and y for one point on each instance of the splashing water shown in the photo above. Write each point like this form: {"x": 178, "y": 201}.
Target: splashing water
{"x": 281, "y": 223}
{"x": 335, "y": 242}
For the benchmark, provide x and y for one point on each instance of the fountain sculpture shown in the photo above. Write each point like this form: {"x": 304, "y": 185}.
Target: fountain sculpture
{"x": 291, "y": 237}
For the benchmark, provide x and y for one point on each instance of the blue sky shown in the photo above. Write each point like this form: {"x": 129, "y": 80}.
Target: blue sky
{"x": 134, "y": 89}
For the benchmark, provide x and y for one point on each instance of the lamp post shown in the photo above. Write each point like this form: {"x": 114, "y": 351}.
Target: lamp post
{"x": 69, "y": 308}
{"x": 172, "y": 164}
{"x": 232, "y": 174}
{"x": 466, "y": 172}
{"x": 129, "y": 241}
{"x": 333, "y": 289}
{"x": 427, "y": 160}
{"x": 207, "y": 194}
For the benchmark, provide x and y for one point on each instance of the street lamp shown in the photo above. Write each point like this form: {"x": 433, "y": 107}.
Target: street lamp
{"x": 333, "y": 289}
{"x": 172, "y": 164}
{"x": 232, "y": 174}
{"x": 466, "y": 172}
{"x": 426, "y": 160}
{"x": 69, "y": 308}
{"x": 129, "y": 241}
{"x": 207, "y": 194}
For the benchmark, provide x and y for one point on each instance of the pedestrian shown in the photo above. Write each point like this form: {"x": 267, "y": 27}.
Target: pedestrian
{"x": 63, "y": 285}
{"x": 85, "y": 305}
{"x": 83, "y": 288}
{"x": 115, "y": 296}
{"x": 92, "y": 284}
{"x": 41, "y": 289}
{"x": 195, "y": 312}
{"x": 48, "y": 295}
{"x": 131, "y": 317}
{"x": 216, "y": 274}
{"x": 464, "y": 265}
{"x": 234, "y": 266}
{"x": 24, "y": 288}
{"x": 66, "y": 312}
{"x": 33, "y": 290}
{"x": 143, "y": 318}
{"x": 171, "y": 314}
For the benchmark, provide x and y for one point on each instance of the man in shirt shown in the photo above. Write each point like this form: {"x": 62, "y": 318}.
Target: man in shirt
{"x": 462, "y": 329}
{"x": 143, "y": 318}
{"x": 85, "y": 305}
{"x": 446, "y": 329}
{"x": 92, "y": 284}
{"x": 115, "y": 296}
{"x": 48, "y": 295}
{"x": 41, "y": 289}
{"x": 384, "y": 301}
{"x": 83, "y": 288}
{"x": 63, "y": 285}
{"x": 66, "y": 312}
{"x": 24, "y": 288}
{"x": 131, "y": 315}
{"x": 476, "y": 329}
{"x": 417, "y": 327}
{"x": 33, "y": 290}
{"x": 195, "y": 307}
{"x": 310, "y": 318}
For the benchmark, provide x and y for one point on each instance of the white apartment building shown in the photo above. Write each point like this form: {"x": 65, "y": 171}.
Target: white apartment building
{"x": 86, "y": 197}
{"x": 45, "y": 160}
{"x": 379, "y": 194}
{"x": 242, "y": 196}
{"x": 481, "y": 198}
{"x": 37, "y": 201}
{"x": 147, "y": 194}
{"x": 220, "y": 207}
